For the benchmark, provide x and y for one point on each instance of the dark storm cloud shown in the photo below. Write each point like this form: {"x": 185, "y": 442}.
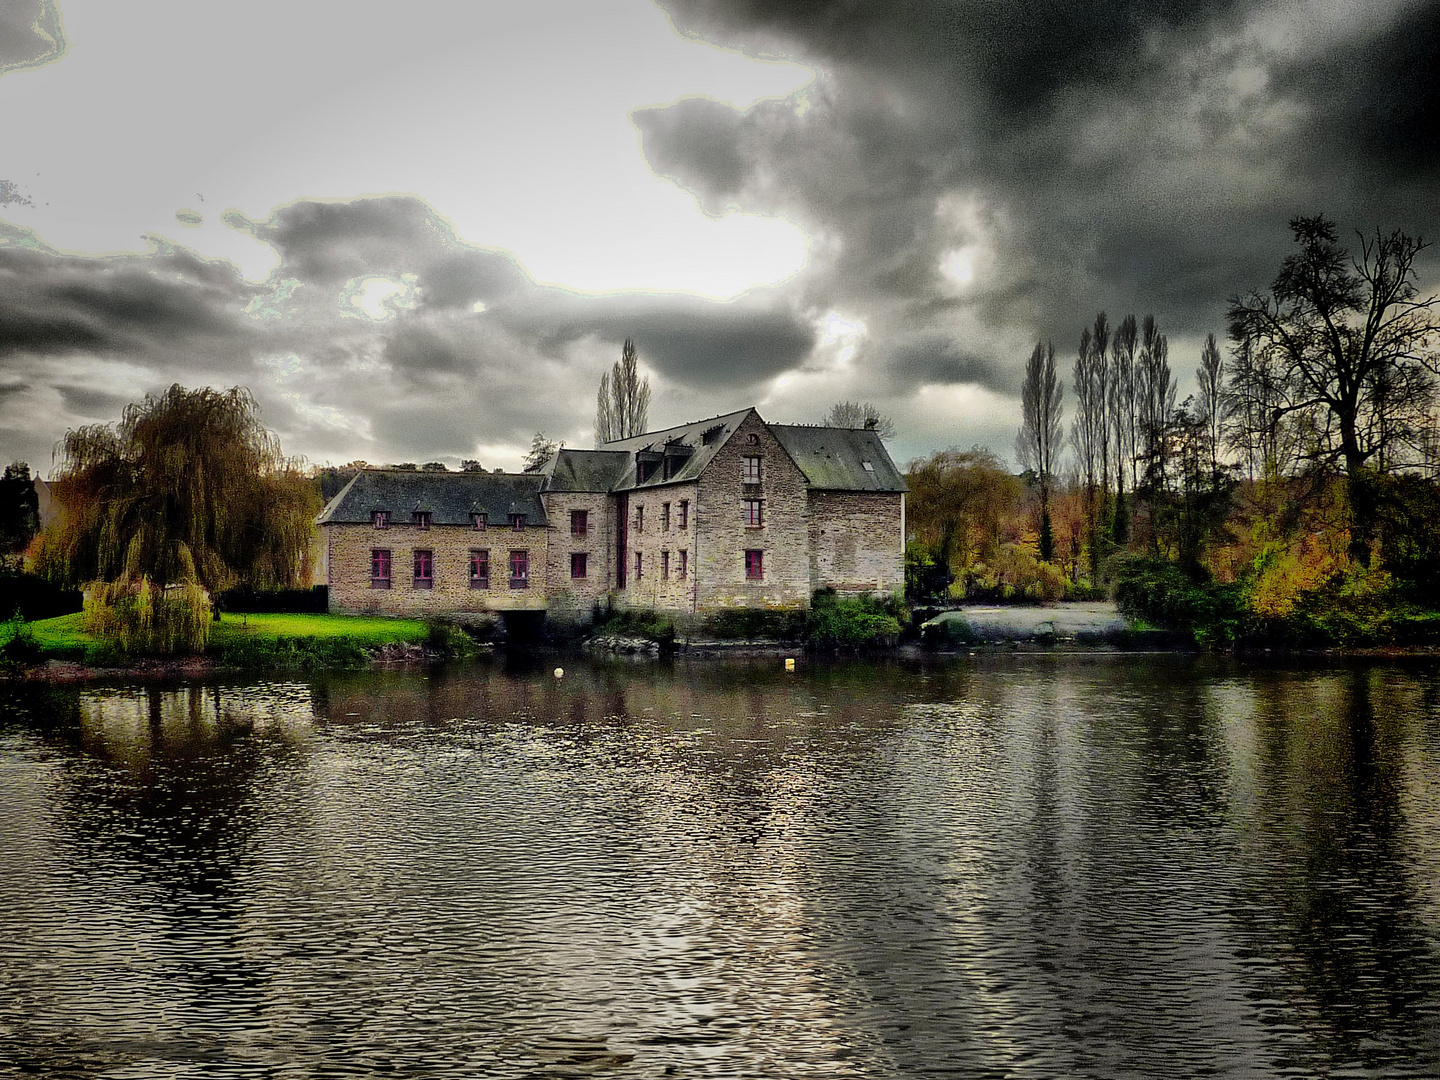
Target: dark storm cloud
{"x": 1019, "y": 54}
{"x": 98, "y": 404}
{"x": 1108, "y": 156}
{"x": 691, "y": 341}
{"x": 1377, "y": 100}
{"x": 30, "y": 34}
{"x": 935, "y": 358}
{"x": 57, "y": 304}
{"x": 327, "y": 244}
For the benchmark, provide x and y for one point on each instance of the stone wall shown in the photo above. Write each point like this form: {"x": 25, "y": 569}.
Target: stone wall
{"x": 857, "y": 541}
{"x": 722, "y": 536}
{"x": 348, "y": 550}
{"x": 658, "y": 539}
{"x": 570, "y": 597}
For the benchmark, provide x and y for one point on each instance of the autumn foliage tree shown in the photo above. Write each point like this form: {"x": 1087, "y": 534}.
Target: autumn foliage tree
{"x": 958, "y": 507}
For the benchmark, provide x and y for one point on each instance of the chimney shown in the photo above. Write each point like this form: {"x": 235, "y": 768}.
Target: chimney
{"x": 871, "y": 422}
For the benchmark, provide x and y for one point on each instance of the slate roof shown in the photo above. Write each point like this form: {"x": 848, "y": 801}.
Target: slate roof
{"x": 833, "y": 459}
{"x": 718, "y": 428}
{"x": 584, "y": 470}
{"x": 450, "y": 497}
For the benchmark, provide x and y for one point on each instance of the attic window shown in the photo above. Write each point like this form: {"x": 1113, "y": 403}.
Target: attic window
{"x": 478, "y": 520}
{"x": 752, "y": 439}
{"x": 420, "y": 519}
{"x": 517, "y": 522}
{"x": 867, "y": 466}
{"x": 380, "y": 519}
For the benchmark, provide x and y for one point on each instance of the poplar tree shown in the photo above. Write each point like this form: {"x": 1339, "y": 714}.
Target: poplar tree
{"x": 622, "y": 405}
{"x": 1041, "y": 410}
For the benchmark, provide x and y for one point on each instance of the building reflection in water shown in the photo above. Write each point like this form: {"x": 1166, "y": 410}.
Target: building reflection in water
{"x": 1033, "y": 865}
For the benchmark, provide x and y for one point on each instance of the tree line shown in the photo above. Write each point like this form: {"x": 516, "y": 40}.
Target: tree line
{"x": 1322, "y": 417}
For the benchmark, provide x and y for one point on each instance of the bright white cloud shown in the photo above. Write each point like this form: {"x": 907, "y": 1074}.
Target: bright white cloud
{"x": 514, "y": 120}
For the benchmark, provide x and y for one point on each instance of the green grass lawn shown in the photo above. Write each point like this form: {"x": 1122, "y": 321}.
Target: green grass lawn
{"x": 59, "y": 636}
{"x": 256, "y": 639}
{"x": 363, "y": 629}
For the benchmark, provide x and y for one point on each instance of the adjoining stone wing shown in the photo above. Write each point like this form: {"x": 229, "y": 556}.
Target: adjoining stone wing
{"x": 856, "y": 503}
{"x": 400, "y": 542}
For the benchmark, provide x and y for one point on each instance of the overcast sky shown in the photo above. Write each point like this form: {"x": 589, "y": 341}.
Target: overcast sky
{"x": 422, "y": 231}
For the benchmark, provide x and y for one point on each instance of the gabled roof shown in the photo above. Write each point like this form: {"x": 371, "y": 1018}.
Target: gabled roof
{"x": 703, "y": 438}
{"x": 449, "y": 497}
{"x": 584, "y": 470}
{"x": 835, "y": 459}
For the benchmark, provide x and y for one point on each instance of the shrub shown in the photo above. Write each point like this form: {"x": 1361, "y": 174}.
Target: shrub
{"x": 750, "y": 623}
{"x": 447, "y": 638}
{"x": 141, "y": 618}
{"x": 1084, "y": 591}
{"x": 307, "y": 653}
{"x": 851, "y": 620}
{"x": 1158, "y": 591}
{"x": 1353, "y": 607}
{"x": 20, "y": 648}
{"x": 1015, "y": 575}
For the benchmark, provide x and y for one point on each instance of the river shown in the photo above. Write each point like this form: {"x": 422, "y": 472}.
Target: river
{"x": 1030, "y": 865}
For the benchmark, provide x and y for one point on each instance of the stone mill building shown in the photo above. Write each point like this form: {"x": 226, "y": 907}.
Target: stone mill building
{"x": 721, "y": 513}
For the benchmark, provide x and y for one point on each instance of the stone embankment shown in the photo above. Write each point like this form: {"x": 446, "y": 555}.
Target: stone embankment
{"x": 620, "y": 645}
{"x": 1047, "y": 624}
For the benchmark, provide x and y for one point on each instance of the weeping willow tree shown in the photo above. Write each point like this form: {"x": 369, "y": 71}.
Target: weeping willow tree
{"x": 187, "y": 490}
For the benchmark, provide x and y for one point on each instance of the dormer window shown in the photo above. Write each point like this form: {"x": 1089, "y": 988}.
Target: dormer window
{"x": 478, "y": 521}
{"x": 380, "y": 519}
{"x": 517, "y": 522}
{"x": 420, "y": 519}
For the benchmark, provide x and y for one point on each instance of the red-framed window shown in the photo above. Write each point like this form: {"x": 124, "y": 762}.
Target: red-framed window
{"x": 479, "y": 521}
{"x": 579, "y": 564}
{"x": 579, "y": 522}
{"x": 479, "y": 568}
{"x": 519, "y": 569}
{"x": 750, "y": 469}
{"x": 424, "y": 568}
{"x": 379, "y": 568}
{"x": 380, "y": 519}
{"x": 421, "y": 519}
{"x": 517, "y": 522}
{"x": 754, "y": 564}
{"x": 684, "y": 513}
{"x": 754, "y": 513}
{"x": 684, "y": 567}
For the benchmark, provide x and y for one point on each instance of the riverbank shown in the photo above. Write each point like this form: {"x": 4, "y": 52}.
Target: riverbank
{"x": 63, "y": 648}
{"x": 60, "y": 651}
